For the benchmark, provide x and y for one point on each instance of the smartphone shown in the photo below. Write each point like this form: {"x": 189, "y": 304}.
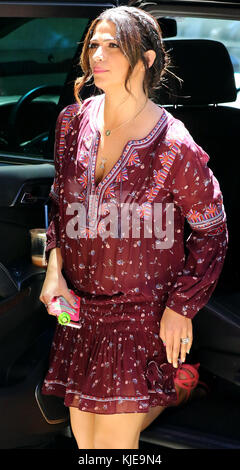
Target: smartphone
{"x": 66, "y": 314}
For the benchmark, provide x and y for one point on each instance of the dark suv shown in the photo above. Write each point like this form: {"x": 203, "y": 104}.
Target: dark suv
{"x": 40, "y": 44}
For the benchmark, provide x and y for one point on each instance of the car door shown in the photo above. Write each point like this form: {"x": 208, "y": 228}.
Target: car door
{"x": 38, "y": 46}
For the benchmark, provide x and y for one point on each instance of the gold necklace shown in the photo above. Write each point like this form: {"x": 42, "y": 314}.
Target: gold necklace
{"x": 108, "y": 132}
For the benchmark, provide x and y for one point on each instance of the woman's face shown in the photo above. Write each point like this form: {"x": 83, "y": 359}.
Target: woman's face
{"x": 108, "y": 64}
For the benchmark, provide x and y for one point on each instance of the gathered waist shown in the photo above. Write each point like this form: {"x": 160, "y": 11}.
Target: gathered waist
{"x": 118, "y": 308}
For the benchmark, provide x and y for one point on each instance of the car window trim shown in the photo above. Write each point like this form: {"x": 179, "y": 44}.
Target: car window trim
{"x": 190, "y": 10}
{"x": 52, "y": 10}
{"x": 11, "y": 158}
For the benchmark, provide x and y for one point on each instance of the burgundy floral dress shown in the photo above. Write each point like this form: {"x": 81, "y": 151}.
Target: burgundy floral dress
{"x": 127, "y": 273}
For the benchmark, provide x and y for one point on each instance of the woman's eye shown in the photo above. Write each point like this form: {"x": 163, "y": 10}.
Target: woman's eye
{"x": 93, "y": 45}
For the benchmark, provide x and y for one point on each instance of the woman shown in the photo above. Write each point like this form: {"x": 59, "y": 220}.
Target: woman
{"x": 115, "y": 151}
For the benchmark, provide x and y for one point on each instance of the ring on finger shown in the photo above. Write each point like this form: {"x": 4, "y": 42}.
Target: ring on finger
{"x": 184, "y": 340}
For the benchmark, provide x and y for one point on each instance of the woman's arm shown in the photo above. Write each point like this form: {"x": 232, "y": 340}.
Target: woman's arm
{"x": 53, "y": 233}
{"x": 197, "y": 193}
{"x": 55, "y": 284}
{"x": 55, "y": 262}
{"x": 63, "y": 125}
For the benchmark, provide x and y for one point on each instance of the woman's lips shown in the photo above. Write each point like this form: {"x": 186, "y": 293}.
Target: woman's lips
{"x": 99, "y": 70}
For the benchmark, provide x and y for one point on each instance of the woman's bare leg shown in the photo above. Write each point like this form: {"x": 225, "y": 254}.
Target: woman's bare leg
{"x": 82, "y": 424}
{"x": 151, "y": 415}
{"x": 118, "y": 431}
{"x": 157, "y": 410}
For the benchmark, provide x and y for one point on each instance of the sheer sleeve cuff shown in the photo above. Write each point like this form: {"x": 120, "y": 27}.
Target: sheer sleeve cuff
{"x": 52, "y": 234}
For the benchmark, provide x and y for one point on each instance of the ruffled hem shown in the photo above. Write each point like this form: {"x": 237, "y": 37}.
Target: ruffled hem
{"x": 111, "y": 405}
{"x": 109, "y": 369}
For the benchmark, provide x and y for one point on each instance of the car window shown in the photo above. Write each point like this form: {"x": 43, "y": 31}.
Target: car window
{"x": 34, "y": 52}
{"x": 225, "y": 31}
{"x": 38, "y": 52}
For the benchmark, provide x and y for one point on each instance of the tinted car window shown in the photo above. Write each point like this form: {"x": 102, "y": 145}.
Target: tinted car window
{"x": 225, "y": 31}
{"x": 34, "y": 52}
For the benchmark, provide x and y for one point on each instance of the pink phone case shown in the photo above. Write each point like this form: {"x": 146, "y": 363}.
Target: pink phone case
{"x": 60, "y": 305}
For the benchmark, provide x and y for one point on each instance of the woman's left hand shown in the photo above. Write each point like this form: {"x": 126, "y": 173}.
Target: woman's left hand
{"x": 173, "y": 327}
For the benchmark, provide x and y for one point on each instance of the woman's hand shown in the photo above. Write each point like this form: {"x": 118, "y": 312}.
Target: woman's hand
{"x": 55, "y": 285}
{"x": 173, "y": 327}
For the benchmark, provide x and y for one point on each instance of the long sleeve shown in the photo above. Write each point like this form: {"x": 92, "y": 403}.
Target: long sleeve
{"x": 53, "y": 234}
{"x": 197, "y": 194}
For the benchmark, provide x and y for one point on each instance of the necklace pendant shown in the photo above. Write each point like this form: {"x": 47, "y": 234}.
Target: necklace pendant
{"x": 108, "y": 132}
{"x": 102, "y": 164}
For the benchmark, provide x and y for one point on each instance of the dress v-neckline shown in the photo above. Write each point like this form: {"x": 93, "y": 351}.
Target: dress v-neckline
{"x": 129, "y": 144}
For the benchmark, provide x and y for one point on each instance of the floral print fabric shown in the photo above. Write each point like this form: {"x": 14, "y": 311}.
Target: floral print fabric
{"x": 149, "y": 271}
{"x": 107, "y": 364}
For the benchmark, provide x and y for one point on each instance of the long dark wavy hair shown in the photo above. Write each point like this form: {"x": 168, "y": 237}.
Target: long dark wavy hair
{"x": 136, "y": 32}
